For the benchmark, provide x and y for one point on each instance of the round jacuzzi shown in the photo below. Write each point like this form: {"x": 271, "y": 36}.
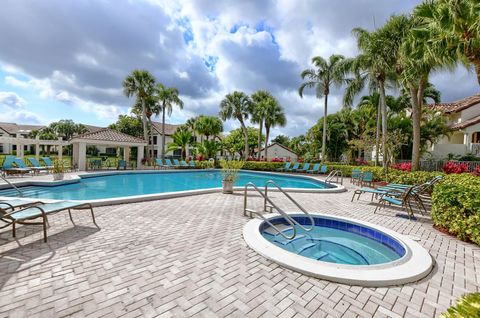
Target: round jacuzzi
{"x": 339, "y": 249}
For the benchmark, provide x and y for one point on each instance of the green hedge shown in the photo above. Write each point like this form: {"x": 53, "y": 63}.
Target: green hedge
{"x": 468, "y": 306}
{"x": 263, "y": 165}
{"x": 456, "y": 206}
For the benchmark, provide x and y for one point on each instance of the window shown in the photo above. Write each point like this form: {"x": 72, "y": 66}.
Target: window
{"x": 111, "y": 151}
{"x": 177, "y": 153}
{"x": 154, "y": 140}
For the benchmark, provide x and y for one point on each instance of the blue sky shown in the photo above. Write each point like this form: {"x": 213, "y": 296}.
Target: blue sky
{"x": 67, "y": 59}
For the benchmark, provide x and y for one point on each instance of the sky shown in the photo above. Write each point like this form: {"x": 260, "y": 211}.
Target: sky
{"x": 67, "y": 59}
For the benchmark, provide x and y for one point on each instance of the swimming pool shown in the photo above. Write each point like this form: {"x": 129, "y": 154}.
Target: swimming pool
{"x": 340, "y": 249}
{"x": 105, "y": 186}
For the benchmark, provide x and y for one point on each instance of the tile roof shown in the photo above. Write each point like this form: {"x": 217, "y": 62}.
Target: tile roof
{"x": 13, "y": 128}
{"x": 107, "y": 134}
{"x": 465, "y": 124}
{"x": 169, "y": 128}
{"x": 459, "y": 105}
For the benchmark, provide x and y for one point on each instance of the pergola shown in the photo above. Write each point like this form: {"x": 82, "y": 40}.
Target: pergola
{"x": 105, "y": 137}
{"x": 20, "y": 142}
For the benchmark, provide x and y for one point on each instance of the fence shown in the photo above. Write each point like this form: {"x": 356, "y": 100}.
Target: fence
{"x": 436, "y": 165}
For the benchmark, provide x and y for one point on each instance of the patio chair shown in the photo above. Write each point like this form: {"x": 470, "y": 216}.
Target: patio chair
{"x": 176, "y": 163}
{"x": 356, "y": 176}
{"x": 168, "y": 163}
{"x": 192, "y": 164}
{"x": 6, "y": 205}
{"x": 10, "y": 166}
{"x": 398, "y": 198}
{"x": 367, "y": 178}
{"x": 122, "y": 164}
{"x": 315, "y": 169}
{"x": 323, "y": 170}
{"x": 42, "y": 210}
{"x": 183, "y": 164}
{"x": 294, "y": 168}
{"x": 48, "y": 162}
{"x": 35, "y": 164}
{"x": 305, "y": 168}
{"x": 286, "y": 167}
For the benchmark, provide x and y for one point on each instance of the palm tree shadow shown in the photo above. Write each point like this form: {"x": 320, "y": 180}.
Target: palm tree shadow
{"x": 25, "y": 257}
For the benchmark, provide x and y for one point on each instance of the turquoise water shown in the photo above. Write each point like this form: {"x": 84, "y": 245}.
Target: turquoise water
{"x": 131, "y": 184}
{"x": 335, "y": 245}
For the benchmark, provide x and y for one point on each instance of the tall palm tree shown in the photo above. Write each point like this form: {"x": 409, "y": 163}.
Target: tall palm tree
{"x": 166, "y": 97}
{"x": 260, "y": 99}
{"x": 374, "y": 100}
{"x": 181, "y": 139}
{"x": 190, "y": 124}
{"x": 275, "y": 117}
{"x": 451, "y": 28}
{"x": 140, "y": 83}
{"x": 151, "y": 108}
{"x": 237, "y": 105}
{"x": 325, "y": 75}
{"x": 209, "y": 126}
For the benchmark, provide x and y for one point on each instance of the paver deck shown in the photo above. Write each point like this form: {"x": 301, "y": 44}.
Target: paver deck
{"x": 186, "y": 257}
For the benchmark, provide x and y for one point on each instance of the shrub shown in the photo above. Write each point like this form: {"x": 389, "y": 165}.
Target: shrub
{"x": 467, "y": 306}
{"x": 456, "y": 206}
{"x": 454, "y": 167}
{"x": 277, "y": 160}
{"x": 404, "y": 166}
{"x": 263, "y": 165}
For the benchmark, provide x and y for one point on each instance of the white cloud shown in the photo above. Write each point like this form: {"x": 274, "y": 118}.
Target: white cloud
{"x": 12, "y": 100}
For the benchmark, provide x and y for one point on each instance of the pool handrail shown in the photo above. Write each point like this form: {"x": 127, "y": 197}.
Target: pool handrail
{"x": 282, "y": 213}
{"x": 271, "y": 182}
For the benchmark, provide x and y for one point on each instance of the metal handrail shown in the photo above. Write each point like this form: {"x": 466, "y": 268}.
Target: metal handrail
{"x": 271, "y": 182}
{"x": 334, "y": 173}
{"x": 282, "y": 213}
{"x": 12, "y": 185}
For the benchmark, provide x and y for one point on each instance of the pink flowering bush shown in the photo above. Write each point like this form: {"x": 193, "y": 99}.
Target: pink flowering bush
{"x": 454, "y": 167}
{"x": 404, "y": 166}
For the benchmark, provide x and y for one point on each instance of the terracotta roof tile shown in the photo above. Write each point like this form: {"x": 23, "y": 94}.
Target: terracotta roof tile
{"x": 13, "y": 128}
{"x": 458, "y": 105}
{"x": 465, "y": 124}
{"x": 107, "y": 134}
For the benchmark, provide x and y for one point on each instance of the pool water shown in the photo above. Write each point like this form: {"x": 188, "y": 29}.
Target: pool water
{"x": 337, "y": 242}
{"x": 131, "y": 184}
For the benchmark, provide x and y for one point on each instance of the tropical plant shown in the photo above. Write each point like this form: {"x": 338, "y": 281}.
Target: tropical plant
{"x": 451, "y": 28}
{"x": 260, "y": 100}
{"x": 467, "y": 306}
{"x": 209, "y": 148}
{"x": 237, "y": 105}
{"x": 234, "y": 142}
{"x": 141, "y": 84}
{"x": 230, "y": 169}
{"x": 275, "y": 117}
{"x": 130, "y": 125}
{"x": 166, "y": 97}
{"x": 325, "y": 75}
{"x": 47, "y": 133}
{"x": 208, "y": 126}
{"x": 182, "y": 138}
{"x": 282, "y": 139}
{"x": 151, "y": 108}
{"x": 67, "y": 128}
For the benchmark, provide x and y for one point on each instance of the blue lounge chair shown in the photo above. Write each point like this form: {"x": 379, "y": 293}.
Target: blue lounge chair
{"x": 122, "y": 164}
{"x": 315, "y": 169}
{"x": 13, "y": 204}
{"x": 367, "y": 178}
{"x": 294, "y": 168}
{"x": 183, "y": 164}
{"x": 159, "y": 163}
{"x": 13, "y": 166}
{"x": 42, "y": 210}
{"x": 176, "y": 163}
{"x": 401, "y": 199}
{"x": 323, "y": 170}
{"x": 305, "y": 168}
{"x": 36, "y": 166}
{"x": 356, "y": 176}
{"x": 192, "y": 164}
{"x": 168, "y": 163}
{"x": 286, "y": 167}
{"x": 48, "y": 162}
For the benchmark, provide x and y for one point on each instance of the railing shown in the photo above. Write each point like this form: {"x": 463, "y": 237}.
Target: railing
{"x": 272, "y": 206}
{"x": 436, "y": 165}
{"x": 335, "y": 174}
{"x": 12, "y": 185}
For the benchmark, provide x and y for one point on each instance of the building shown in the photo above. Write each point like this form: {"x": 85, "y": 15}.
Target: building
{"x": 16, "y": 131}
{"x": 279, "y": 151}
{"x": 463, "y": 118}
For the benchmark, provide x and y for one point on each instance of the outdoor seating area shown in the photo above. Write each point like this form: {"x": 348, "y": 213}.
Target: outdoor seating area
{"x": 317, "y": 168}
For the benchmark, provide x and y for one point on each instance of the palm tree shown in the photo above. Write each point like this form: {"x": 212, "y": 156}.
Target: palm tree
{"x": 374, "y": 101}
{"x": 151, "y": 108}
{"x": 237, "y": 105}
{"x": 166, "y": 97}
{"x": 191, "y": 125}
{"x": 209, "y": 126}
{"x": 327, "y": 74}
{"x": 209, "y": 148}
{"x": 275, "y": 117}
{"x": 260, "y": 100}
{"x": 451, "y": 28}
{"x": 140, "y": 83}
{"x": 181, "y": 139}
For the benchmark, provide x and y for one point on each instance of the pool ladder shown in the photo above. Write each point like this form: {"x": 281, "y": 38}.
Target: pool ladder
{"x": 337, "y": 174}
{"x": 269, "y": 204}
{"x": 12, "y": 185}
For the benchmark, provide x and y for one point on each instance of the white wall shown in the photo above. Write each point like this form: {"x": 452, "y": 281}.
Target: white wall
{"x": 276, "y": 151}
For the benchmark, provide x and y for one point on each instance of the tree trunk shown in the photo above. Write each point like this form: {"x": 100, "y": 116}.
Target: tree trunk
{"x": 163, "y": 131}
{"x": 151, "y": 138}
{"x": 416, "y": 114}
{"x": 377, "y": 136}
{"x": 324, "y": 135}
{"x": 383, "y": 106}
{"x": 260, "y": 140}
{"x": 144, "y": 120}
{"x": 267, "y": 134}
{"x": 245, "y": 134}
{"x": 476, "y": 63}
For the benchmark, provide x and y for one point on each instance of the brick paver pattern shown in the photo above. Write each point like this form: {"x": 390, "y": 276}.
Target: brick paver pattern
{"x": 186, "y": 257}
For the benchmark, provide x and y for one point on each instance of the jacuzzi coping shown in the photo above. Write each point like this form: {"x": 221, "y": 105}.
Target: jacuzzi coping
{"x": 75, "y": 178}
{"x": 413, "y": 266}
